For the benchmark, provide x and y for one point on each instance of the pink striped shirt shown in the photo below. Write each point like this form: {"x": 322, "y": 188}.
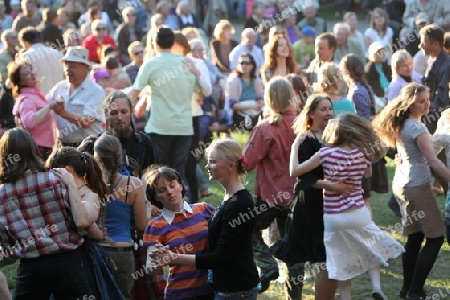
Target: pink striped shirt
{"x": 343, "y": 165}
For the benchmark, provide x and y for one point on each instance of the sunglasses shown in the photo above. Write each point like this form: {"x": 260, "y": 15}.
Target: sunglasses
{"x": 138, "y": 52}
{"x": 131, "y": 15}
{"x": 245, "y": 63}
{"x": 100, "y": 29}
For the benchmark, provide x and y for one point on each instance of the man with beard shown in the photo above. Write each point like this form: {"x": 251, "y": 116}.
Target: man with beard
{"x": 138, "y": 155}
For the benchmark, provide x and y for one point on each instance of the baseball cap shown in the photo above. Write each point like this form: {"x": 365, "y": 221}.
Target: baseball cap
{"x": 308, "y": 31}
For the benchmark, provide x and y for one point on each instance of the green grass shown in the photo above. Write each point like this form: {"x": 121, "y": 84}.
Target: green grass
{"x": 391, "y": 277}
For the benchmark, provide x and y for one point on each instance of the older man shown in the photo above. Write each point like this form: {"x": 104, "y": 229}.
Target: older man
{"x": 77, "y": 100}
{"x": 8, "y": 53}
{"x": 345, "y": 46}
{"x": 248, "y": 44}
{"x": 136, "y": 53}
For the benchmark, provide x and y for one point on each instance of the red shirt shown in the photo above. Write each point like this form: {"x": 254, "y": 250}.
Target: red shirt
{"x": 268, "y": 149}
{"x": 92, "y": 45}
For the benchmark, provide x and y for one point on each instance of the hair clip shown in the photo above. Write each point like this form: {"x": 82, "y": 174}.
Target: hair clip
{"x": 83, "y": 156}
{"x": 242, "y": 162}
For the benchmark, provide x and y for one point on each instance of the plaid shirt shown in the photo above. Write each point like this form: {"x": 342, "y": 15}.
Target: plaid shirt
{"x": 35, "y": 217}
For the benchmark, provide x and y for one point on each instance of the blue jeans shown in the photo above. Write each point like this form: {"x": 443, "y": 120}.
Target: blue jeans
{"x": 172, "y": 151}
{"x": 250, "y": 295}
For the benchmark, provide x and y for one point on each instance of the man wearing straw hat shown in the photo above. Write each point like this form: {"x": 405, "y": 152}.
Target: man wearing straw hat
{"x": 77, "y": 100}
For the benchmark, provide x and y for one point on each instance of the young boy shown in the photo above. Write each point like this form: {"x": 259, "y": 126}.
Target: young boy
{"x": 304, "y": 48}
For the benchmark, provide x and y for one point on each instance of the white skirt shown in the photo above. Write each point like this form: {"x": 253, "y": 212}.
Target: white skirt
{"x": 354, "y": 244}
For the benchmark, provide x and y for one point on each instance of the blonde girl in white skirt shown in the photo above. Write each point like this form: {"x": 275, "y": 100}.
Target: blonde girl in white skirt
{"x": 354, "y": 244}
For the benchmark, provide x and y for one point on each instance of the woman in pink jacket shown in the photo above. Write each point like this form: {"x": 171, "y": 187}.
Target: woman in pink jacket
{"x": 31, "y": 110}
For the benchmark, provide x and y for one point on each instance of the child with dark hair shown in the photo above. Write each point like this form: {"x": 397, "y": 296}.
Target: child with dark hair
{"x": 180, "y": 225}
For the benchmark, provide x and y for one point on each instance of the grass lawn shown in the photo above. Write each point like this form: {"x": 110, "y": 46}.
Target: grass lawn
{"x": 391, "y": 277}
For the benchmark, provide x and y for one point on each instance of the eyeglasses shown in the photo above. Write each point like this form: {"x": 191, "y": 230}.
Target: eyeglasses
{"x": 100, "y": 28}
{"x": 138, "y": 52}
{"x": 245, "y": 63}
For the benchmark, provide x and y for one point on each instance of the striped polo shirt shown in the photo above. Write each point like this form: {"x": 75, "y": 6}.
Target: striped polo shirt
{"x": 185, "y": 232}
{"x": 343, "y": 165}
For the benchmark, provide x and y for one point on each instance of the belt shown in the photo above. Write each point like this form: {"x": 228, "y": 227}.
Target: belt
{"x": 118, "y": 249}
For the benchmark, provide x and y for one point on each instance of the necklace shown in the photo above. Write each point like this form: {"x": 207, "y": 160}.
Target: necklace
{"x": 81, "y": 186}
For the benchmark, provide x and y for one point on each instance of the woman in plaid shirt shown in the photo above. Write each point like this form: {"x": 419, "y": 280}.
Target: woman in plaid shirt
{"x": 39, "y": 222}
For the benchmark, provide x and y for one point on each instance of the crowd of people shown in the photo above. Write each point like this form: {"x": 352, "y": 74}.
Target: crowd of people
{"x": 107, "y": 109}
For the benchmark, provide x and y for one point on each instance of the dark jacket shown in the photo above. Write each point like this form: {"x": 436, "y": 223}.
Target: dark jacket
{"x": 230, "y": 255}
{"x": 124, "y": 40}
{"x": 215, "y": 55}
{"x": 196, "y": 22}
{"x": 6, "y": 106}
{"x": 437, "y": 81}
{"x": 412, "y": 42}
{"x": 51, "y": 35}
{"x": 373, "y": 78}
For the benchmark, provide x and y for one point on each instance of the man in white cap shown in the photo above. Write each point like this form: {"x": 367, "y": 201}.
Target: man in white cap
{"x": 77, "y": 100}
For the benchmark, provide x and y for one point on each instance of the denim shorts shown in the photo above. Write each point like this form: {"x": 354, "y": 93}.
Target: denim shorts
{"x": 250, "y": 295}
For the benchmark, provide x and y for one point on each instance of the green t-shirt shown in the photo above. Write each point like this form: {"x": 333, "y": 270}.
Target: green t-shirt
{"x": 172, "y": 86}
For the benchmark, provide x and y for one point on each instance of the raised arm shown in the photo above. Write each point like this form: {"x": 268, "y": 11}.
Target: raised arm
{"x": 80, "y": 214}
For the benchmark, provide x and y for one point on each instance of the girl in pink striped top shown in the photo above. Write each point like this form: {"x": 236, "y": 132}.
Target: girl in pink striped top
{"x": 354, "y": 244}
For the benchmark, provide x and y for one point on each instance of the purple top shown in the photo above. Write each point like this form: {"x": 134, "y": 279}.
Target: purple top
{"x": 361, "y": 99}
{"x": 398, "y": 83}
{"x": 292, "y": 34}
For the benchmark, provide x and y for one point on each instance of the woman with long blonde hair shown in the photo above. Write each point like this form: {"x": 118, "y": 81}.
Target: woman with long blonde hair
{"x": 400, "y": 125}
